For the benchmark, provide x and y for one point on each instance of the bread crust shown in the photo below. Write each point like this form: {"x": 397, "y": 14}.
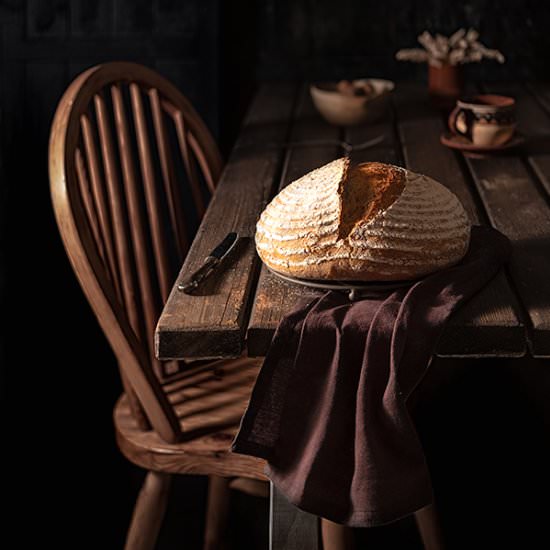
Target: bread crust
{"x": 371, "y": 222}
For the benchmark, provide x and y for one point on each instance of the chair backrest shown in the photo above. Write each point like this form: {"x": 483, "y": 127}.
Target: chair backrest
{"x": 132, "y": 166}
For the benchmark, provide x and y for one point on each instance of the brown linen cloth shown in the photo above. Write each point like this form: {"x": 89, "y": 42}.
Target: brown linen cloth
{"x": 328, "y": 411}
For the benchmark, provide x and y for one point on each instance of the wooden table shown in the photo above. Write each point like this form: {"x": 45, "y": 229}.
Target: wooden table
{"x": 242, "y": 305}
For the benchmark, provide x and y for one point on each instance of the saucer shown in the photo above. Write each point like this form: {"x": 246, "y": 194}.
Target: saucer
{"x": 463, "y": 144}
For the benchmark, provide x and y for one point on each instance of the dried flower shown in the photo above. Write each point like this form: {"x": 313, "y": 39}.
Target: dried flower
{"x": 459, "y": 48}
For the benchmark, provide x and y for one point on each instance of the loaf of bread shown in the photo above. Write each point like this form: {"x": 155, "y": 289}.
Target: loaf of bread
{"x": 370, "y": 222}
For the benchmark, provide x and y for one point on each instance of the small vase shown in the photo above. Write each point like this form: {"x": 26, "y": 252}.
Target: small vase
{"x": 445, "y": 84}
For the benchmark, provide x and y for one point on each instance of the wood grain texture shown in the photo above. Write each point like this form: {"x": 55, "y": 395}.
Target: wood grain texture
{"x": 217, "y": 513}
{"x": 542, "y": 92}
{"x": 213, "y": 322}
{"x": 209, "y": 401}
{"x": 207, "y": 454}
{"x": 213, "y": 397}
{"x": 289, "y": 527}
{"x": 149, "y": 512}
{"x": 172, "y": 191}
{"x": 540, "y": 159}
{"x": 151, "y": 192}
{"x": 189, "y": 164}
{"x": 541, "y": 167}
{"x": 121, "y": 231}
{"x": 100, "y": 198}
{"x": 517, "y": 209}
{"x": 489, "y": 323}
{"x": 516, "y": 205}
{"x": 150, "y": 299}
{"x": 85, "y": 191}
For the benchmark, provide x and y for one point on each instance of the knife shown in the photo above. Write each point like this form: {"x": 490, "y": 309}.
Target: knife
{"x": 211, "y": 262}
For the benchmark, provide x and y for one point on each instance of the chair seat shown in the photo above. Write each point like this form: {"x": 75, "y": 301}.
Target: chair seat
{"x": 210, "y": 401}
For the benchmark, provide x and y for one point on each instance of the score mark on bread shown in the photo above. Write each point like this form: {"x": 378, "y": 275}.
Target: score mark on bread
{"x": 364, "y": 191}
{"x": 370, "y": 222}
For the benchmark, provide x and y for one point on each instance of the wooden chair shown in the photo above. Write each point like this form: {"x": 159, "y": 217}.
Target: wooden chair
{"x": 131, "y": 165}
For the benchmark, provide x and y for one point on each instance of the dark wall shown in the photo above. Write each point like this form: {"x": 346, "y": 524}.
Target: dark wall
{"x": 60, "y": 373}
{"x": 324, "y": 39}
{"x": 46, "y": 43}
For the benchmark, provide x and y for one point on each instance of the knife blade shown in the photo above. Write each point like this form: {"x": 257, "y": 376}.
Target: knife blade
{"x": 211, "y": 262}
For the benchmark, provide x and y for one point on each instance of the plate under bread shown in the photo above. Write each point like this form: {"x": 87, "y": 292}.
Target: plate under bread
{"x": 355, "y": 288}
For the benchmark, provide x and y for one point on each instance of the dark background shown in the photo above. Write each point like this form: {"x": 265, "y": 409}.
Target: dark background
{"x": 59, "y": 370}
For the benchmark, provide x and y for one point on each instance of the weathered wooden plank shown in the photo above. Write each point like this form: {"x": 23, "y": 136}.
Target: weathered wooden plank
{"x": 275, "y": 297}
{"x": 289, "y": 527}
{"x": 542, "y": 92}
{"x": 541, "y": 167}
{"x": 516, "y": 206}
{"x": 412, "y": 102}
{"x": 212, "y": 323}
{"x": 488, "y": 324}
{"x": 384, "y": 150}
{"x": 540, "y": 161}
{"x": 529, "y": 112}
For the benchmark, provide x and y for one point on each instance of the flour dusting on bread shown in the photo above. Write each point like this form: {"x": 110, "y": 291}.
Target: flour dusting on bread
{"x": 370, "y": 222}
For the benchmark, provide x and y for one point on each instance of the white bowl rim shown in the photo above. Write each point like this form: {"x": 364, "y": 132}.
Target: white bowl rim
{"x": 384, "y": 87}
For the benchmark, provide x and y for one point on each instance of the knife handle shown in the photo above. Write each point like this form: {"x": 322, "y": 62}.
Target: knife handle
{"x": 191, "y": 283}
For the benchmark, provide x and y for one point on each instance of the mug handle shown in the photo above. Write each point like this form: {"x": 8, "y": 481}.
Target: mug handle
{"x": 453, "y": 117}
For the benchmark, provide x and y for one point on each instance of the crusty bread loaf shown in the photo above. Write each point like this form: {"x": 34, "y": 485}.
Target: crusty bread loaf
{"x": 371, "y": 222}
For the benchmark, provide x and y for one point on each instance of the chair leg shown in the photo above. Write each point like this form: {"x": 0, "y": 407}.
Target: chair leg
{"x": 149, "y": 512}
{"x": 217, "y": 513}
{"x": 336, "y": 536}
{"x": 429, "y": 528}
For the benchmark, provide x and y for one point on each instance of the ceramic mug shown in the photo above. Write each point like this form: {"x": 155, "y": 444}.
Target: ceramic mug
{"x": 486, "y": 120}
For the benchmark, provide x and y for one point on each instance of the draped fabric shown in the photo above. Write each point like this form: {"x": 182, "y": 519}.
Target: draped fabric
{"x": 329, "y": 408}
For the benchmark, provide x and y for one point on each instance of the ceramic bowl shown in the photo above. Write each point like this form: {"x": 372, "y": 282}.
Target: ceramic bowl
{"x": 348, "y": 110}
